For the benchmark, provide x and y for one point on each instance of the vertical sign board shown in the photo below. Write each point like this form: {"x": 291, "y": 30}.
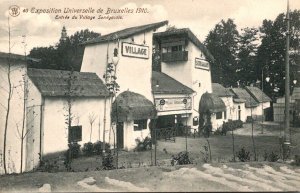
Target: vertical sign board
{"x": 135, "y": 50}
{"x": 202, "y": 64}
{"x": 173, "y": 104}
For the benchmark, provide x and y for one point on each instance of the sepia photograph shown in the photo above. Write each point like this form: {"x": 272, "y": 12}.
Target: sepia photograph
{"x": 149, "y": 96}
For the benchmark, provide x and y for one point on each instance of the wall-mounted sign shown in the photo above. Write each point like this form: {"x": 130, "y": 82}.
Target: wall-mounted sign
{"x": 200, "y": 63}
{"x": 173, "y": 104}
{"x": 135, "y": 50}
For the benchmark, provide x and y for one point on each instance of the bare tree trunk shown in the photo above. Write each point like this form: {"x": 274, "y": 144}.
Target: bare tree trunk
{"x": 252, "y": 136}
{"x": 23, "y": 128}
{"x": 233, "y": 151}
{"x": 24, "y": 111}
{"x": 8, "y": 100}
{"x": 209, "y": 149}
{"x": 91, "y": 132}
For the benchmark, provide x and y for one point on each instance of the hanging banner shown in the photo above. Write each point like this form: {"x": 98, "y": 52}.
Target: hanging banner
{"x": 173, "y": 104}
{"x": 135, "y": 50}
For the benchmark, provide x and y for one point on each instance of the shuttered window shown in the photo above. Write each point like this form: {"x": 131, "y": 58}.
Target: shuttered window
{"x": 75, "y": 133}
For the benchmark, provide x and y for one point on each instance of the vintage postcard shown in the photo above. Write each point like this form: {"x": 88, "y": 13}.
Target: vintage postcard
{"x": 149, "y": 96}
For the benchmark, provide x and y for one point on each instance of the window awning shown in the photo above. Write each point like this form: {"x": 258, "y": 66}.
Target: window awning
{"x": 130, "y": 106}
{"x": 211, "y": 103}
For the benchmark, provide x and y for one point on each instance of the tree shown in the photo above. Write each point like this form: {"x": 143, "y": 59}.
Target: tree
{"x": 10, "y": 90}
{"x": 246, "y": 66}
{"x": 222, "y": 42}
{"x": 67, "y": 52}
{"x": 272, "y": 50}
{"x": 92, "y": 119}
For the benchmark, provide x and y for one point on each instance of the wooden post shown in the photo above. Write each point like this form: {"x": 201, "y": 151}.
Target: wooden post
{"x": 155, "y": 147}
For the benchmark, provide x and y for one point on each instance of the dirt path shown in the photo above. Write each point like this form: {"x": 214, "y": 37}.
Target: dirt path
{"x": 206, "y": 177}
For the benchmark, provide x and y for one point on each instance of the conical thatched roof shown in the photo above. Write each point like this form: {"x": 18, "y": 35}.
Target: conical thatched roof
{"x": 130, "y": 106}
{"x": 211, "y": 103}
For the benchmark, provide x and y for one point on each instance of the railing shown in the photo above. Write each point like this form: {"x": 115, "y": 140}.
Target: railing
{"x": 175, "y": 56}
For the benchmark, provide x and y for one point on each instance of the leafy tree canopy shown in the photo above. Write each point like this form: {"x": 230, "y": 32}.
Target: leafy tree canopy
{"x": 222, "y": 42}
{"x": 65, "y": 55}
{"x": 240, "y": 58}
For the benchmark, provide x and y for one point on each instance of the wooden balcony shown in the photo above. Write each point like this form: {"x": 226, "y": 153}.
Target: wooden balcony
{"x": 175, "y": 56}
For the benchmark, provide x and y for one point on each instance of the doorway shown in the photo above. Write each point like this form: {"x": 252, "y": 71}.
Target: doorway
{"x": 120, "y": 135}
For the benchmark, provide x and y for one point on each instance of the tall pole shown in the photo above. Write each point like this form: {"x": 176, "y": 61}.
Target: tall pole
{"x": 286, "y": 144}
{"x": 262, "y": 100}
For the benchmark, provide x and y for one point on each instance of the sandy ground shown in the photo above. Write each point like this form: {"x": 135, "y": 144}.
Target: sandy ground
{"x": 206, "y": 177}
{"x": 259, "y": 129}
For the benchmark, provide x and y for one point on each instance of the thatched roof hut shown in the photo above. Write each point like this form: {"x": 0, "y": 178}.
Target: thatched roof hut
{"x": 130, "y": 106}
{"x": 211, "y": 103}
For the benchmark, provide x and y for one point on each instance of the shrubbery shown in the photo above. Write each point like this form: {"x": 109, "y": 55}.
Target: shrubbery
{"x": 182, "y": 158}
{"x": 107, "y": 162}
{"x": 144, "y": 145}
{"x": 88, "y": 149}
{"x": 47, "y": 166}
{"x": 271, "y": 157}
{"x": 243, "y": 155}
{"x": 96, "y": 148}
{"x": 297, "y": 160}
{"x": 231, "y": 125}
{"x": 74, "y": 150}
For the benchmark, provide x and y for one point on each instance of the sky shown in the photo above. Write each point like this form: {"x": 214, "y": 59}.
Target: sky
{"x": 44, "y": 29}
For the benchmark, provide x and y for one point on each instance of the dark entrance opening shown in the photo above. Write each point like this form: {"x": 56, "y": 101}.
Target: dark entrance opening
{"x": 165, "y": 121}
{"x": 239, "y": 107}
{"x": 120, "y": 135}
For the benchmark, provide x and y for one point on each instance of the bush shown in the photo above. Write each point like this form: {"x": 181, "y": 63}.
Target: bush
{"x": 181, "y": 159}
{"x": 243, "y": 155}
{"x": 205, "y": 154}
{"x": 107, "y": 162}
{"x": 231, "y": 125}
{"x": 47, "y": 166}
{"x": 144, "y": 145}
{"x": 218, "y": 132}
{"x": 297, "y": 160}
{"x": 74, "y": 150}
{"x": 249, "y": 119}
{"x": 98, "y": 147}
{"x": 88, "y": 149}
{"x": 272, "y": 157}
{"x": 238, "y": 123}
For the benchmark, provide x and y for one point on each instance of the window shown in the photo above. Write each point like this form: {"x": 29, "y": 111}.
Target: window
{"x": 75, "y": 133}
{"x": 219, "y": 115}
{"x": 225, "y": 115}
{"x": 140, "y": 125}
{"x": 176, "y": 48}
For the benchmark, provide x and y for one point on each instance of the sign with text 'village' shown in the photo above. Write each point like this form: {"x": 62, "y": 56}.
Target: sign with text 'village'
{"x": 173, "y": 104}
{"x": 135, "y": 50}
{"x": 200, "y": 63}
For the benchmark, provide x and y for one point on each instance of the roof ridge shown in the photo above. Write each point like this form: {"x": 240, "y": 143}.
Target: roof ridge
{"x": 174, "y": 87}
{"x": 42, "y": 69}
{"x": 104, "y": 38}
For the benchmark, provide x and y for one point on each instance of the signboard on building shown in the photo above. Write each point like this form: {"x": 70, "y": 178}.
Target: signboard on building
{"x": 173, "y": 104}
{"x": 200, "y": 63}
{"x": 135, "y": 50}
